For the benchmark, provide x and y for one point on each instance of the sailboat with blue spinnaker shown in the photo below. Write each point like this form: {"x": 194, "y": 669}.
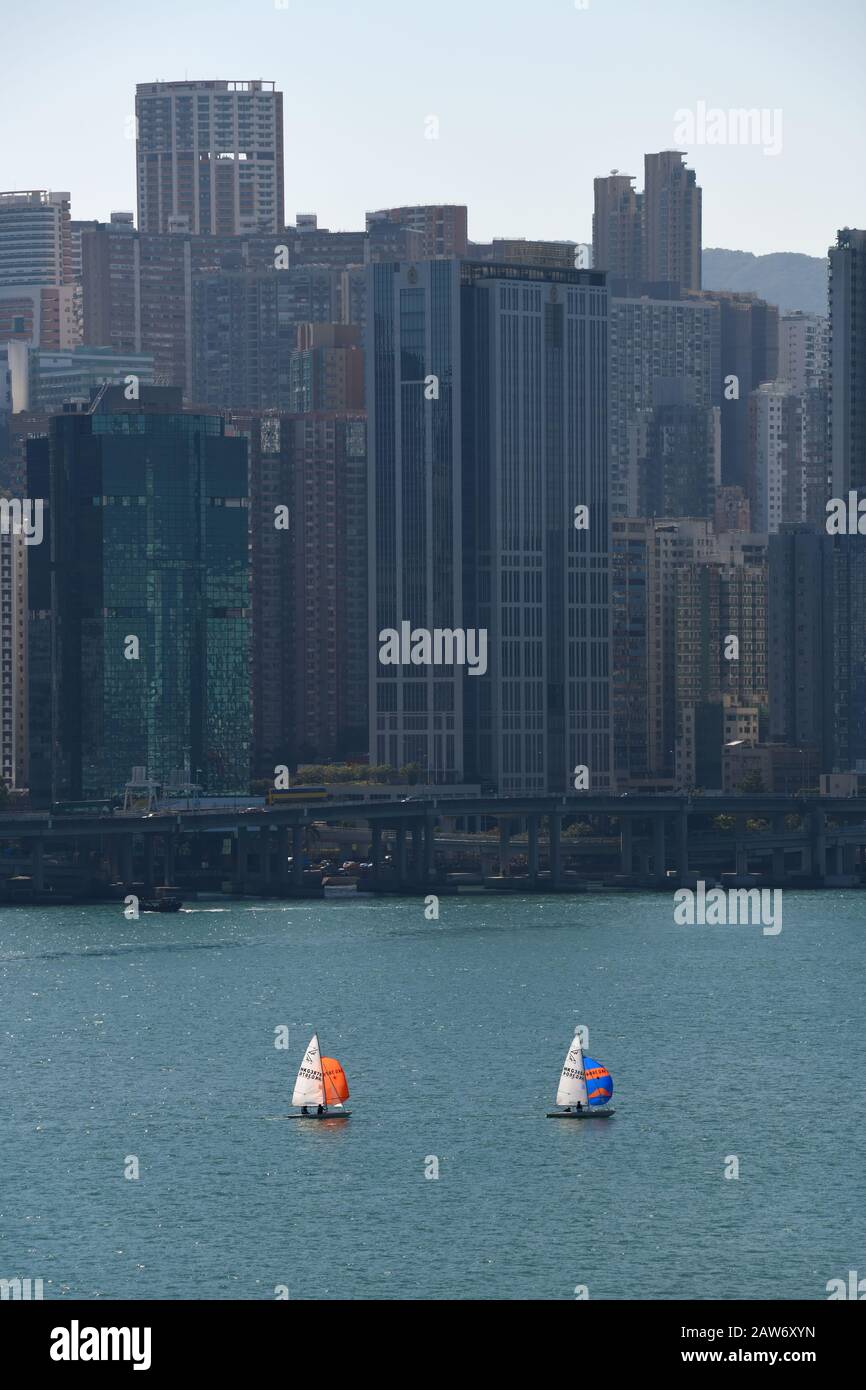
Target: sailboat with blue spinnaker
{"x": 585, "y": 1087}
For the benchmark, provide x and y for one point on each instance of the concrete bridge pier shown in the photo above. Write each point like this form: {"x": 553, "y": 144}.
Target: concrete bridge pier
{"x": 429, "y": 849}
{"x": 741, "y": 858}
{"x": 818, "y": 830}
{"x": 241, "y": 858}
{"x": 37, "y": 871}
{"x": 282, "y": 848}
{"x": 169, "y": 851}
{"x": 401, "y": 856}
{"x": 376, "y": 854}
{"x": 149, "y": 874}
{"x": 504, "y": 847}
{"x": 532, "y": 830}
{"x": 297, "y": 856}
{"x": 555, "y": 850}
{"x": 659, "y": 865}
{"x": 125, "y": 861}
{"x": 625, "y": 845}
{"x": 683, "y": 842}
{"x": 418, "y": 853}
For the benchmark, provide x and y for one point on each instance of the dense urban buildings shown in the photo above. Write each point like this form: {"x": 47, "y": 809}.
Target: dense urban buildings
{"x": 39, "y": 380}
{"x": 604, "y": 487}
{"x": 441, "y": 231}
{"x": 209, "y": 157}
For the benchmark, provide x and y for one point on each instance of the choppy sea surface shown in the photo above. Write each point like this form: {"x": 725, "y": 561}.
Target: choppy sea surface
{"x": 151, "y": 1046}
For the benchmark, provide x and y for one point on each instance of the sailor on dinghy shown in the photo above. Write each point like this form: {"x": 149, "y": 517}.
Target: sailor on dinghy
{"x": 321, "y": 1082}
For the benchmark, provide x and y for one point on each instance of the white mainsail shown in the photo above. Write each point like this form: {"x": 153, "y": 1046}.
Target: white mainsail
{"x": 572, "y": 1082}
{"x": 310, "y": 1086}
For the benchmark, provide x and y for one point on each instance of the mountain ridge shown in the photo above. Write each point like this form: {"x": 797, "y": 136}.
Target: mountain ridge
{"x": 786, "y": 278}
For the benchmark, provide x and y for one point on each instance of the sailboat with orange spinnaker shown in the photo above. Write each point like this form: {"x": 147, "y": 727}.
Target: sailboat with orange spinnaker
{"x": 321, "y": 1087}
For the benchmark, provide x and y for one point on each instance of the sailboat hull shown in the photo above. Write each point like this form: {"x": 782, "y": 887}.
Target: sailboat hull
{"x": 332, "y": 1115}
{"x": 580, "y": 1114}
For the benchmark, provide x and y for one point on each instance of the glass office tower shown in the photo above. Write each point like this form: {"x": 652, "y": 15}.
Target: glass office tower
{"x": 487, "y": 401}
{"x": 141, "y": 650}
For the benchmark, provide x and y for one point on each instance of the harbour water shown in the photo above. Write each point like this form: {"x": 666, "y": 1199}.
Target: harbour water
{"x": 155, "y": 1041}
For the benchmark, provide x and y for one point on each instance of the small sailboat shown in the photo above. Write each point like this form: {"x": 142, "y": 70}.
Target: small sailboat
{"x": 321, "y": 1087}
{"x": 585, "y": 1087}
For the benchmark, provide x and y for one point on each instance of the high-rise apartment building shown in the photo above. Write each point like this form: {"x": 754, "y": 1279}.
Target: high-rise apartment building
{"x": 210, "y": 157}
{"x": 139, "y": 631}
{"x": 110, "y": 266}
{"x": 310, "y": 624}
{"x": 671, "y": 221}
{"x": 487, "y": 393}
{"x": 800, "y": 640}
{"x": 818, "y": 644}
{"x": 326, "y": 370}
{"x": 218, "y": 314}
{"x": 804, "y": 350}
{"x": 847, "y": 414}
{"x": 617, "y": 227}
{"x": 788, "y": 463}
{"x": 442, "y": 229}
{"x": 678, "y": 588}
{"x": 655, "y": 340}
{"x": 39, "y": 299}
{"x": 749, "y": 356}
{"x": 244, "y": 331}
{"x": 674, "y": 457}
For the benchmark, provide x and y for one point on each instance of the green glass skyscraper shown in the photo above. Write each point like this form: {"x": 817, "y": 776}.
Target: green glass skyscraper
{"x": 140, "y": 634}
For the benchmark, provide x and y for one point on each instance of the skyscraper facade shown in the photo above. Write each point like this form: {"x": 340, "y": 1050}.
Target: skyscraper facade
{"x": 40, "y": 301}
{"x": 617, "y": 227}
{"x": 671, "y": 221}
{"x": 13, "y": 656}
{"x": 804, "y": 350}
{"x": 209, "y": 157}
{"x": 140, "y": 634}
{"x": 487, "y": 393}
{"x": 655, "y": 340}
{"x": 308, "y": 486}
{"x": 848, "y": 361}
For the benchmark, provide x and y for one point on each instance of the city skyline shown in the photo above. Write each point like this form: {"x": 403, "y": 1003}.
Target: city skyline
{"x": 398, "y": 123}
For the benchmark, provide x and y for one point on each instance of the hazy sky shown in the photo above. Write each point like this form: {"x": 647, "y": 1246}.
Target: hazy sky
{"x": 533, "y": 99}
